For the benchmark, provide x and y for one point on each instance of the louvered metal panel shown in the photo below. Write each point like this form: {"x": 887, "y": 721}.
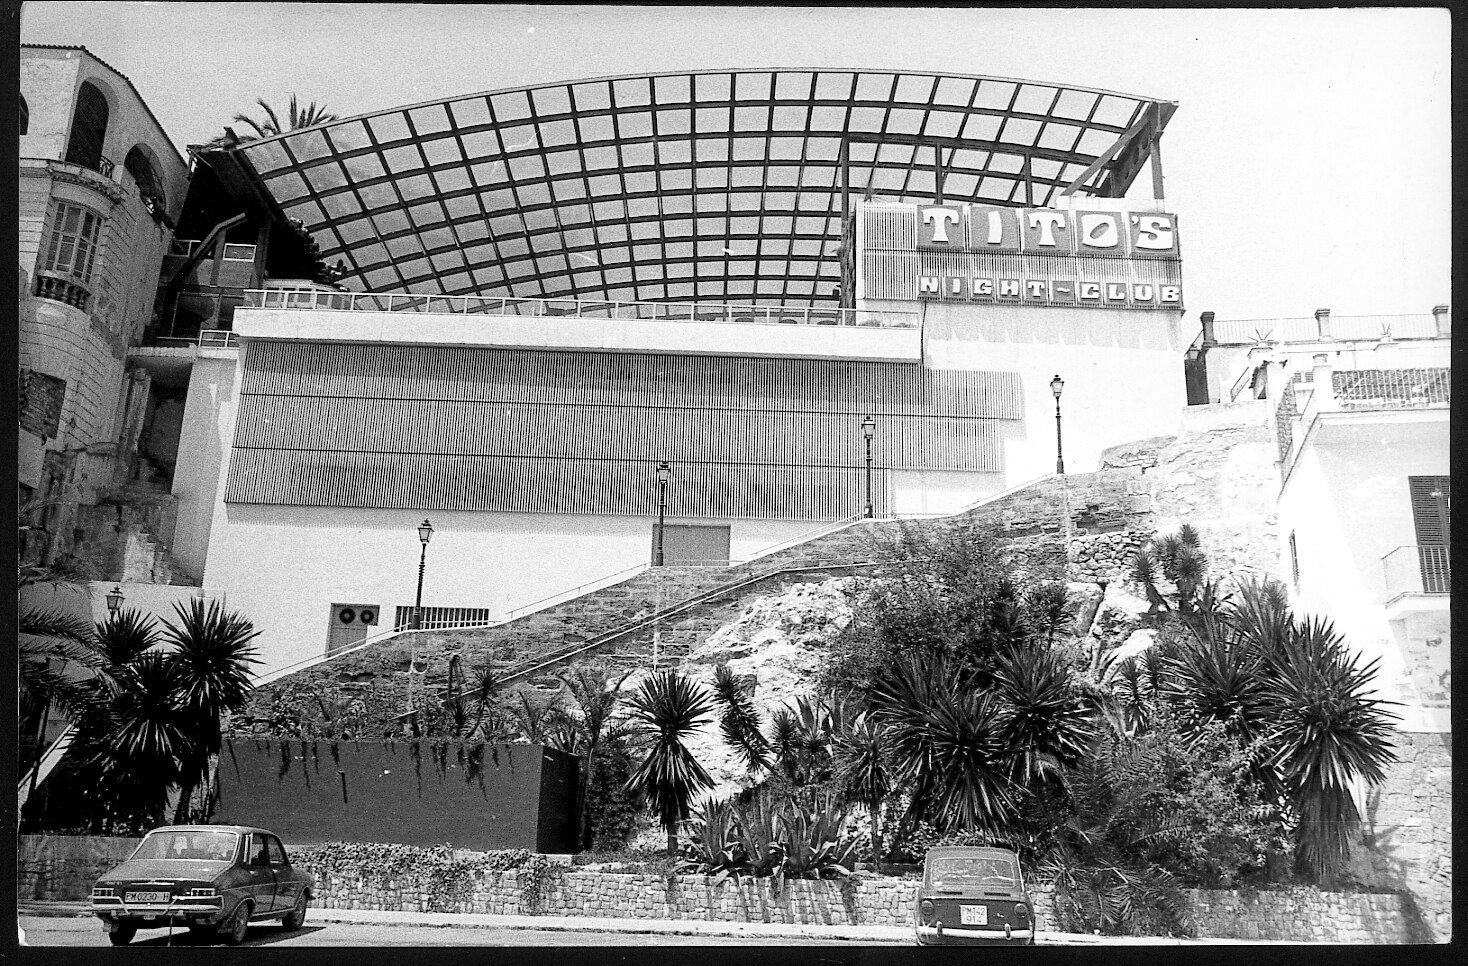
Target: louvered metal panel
{"x": 636, "y": 379}
{"x": 556, "y": 430}
{"x": 370, "y": 425}
{"x": 520, "y": 484}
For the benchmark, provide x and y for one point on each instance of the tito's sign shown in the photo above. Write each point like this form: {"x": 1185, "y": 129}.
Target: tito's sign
{"x": 1024, "y": 256}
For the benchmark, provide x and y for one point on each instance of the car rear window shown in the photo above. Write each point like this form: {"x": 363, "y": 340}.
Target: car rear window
{"x": 207, "y": 845}
{"x": 957, "y": 872}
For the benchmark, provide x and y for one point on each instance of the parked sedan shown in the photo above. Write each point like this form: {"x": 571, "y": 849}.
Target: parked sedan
{"x": 206, "y": 878}
{"x": 972, "y": 895}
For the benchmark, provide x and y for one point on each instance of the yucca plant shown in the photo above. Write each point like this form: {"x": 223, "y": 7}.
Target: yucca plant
{"x": 666, "y": 710}
{"x": 864, "y": 773}
{"x": 1327, "y": 732}
{"x": 1044, "y": 721}
{"x": 211, "y": 657}
{"x": 739, "y": 722}
{"x": 126, "y": 635}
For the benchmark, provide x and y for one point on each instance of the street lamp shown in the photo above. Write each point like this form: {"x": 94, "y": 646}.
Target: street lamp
{"x": 114, "y": 600}
{"x": 665, "y": 473}
{"x": 425, "y": 533}
{"x": 1056, "y": 385}
{"x": 868, "y": 427}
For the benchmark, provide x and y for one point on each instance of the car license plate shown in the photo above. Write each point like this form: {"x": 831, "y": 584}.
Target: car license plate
{"x": 146, "y": 897}
{"x": 973, "y": 915}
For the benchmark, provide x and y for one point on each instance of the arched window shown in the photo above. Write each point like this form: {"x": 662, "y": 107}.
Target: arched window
{"x": 88, "y": 129}
{"x": 25, "y": 115}
{"x": 139, "y": 164}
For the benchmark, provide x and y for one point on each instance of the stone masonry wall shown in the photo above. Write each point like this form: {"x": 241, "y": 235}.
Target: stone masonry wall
{"x": 60, "y": 867}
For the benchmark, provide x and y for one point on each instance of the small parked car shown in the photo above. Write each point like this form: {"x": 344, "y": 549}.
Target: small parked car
{"x": 207, "y": 878}
{"x": 973, "y": 895}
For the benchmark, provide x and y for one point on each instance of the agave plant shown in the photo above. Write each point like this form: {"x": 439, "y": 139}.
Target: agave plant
{"x": 817, "y": 843}
{"x": 759, "y": 832}
{"x": 666, "y": 710}
{"x": 715, "y": 848}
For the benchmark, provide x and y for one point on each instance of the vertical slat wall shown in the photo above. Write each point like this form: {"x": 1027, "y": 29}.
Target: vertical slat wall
{"x": 326, "y": 424}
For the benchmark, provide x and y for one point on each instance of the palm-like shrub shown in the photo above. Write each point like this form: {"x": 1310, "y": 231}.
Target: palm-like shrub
{"x": 864, "y": 773}
{"x": 782, "y": 838}
{"x": 666, "y": 710}
{"x": 125, "y": 636}
{"x": 1326, "y": 732}
{"x": 947, "y": 742}
{"x": 595, "y": 694}
{"x": 1045, "y": 723}
{"x": 211, "y": 657}
{"x": 739, "y": 722}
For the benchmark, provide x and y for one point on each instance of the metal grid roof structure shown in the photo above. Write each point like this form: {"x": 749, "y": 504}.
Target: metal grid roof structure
{"x": 723, "y": 185}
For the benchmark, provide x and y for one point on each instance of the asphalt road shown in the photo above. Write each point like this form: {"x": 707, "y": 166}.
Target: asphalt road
{"x": 52, "y": 931}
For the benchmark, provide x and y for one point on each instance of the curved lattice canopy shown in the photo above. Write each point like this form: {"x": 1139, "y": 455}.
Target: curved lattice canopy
{"x": 721, "y": 185}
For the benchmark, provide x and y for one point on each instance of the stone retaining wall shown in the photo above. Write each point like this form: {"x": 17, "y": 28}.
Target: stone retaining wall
{"x": 63, "y": 867}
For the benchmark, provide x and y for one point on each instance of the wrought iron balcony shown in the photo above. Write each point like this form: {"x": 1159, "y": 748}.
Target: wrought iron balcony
{"x": 1423, "y": 569}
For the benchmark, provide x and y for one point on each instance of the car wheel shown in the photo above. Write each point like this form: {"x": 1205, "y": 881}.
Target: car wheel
{"x": 122, "y": 933}
{"x": 234, "y": 928}
{"x": 297, "y": 916}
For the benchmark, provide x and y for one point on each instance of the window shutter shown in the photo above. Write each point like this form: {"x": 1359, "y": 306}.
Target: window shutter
{"x": 1425, "y": 517}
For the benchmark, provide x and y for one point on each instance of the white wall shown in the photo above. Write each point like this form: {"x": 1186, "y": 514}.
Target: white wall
{"x": 1123, "y": 372}
{"x": 1347, "y": 503}
{"x": 203, "y": 448}
{"x": 284, "y": 566}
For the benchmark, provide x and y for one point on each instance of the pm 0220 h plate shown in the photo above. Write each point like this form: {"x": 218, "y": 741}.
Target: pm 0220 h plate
{"x": 973, "y": 915}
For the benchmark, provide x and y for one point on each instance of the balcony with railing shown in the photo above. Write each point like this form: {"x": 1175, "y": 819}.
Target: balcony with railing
{"x": 690, "y": 328}
{"x": 1302, "y": 400}
{"x": 1415, "y": 573}
{"x": 320, "y": 299}
{"x": 63, "y": 289}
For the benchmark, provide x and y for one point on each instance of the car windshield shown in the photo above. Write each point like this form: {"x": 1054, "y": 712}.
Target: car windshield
{"x": 203, "y": 844}
{"x": 956, "y": 872}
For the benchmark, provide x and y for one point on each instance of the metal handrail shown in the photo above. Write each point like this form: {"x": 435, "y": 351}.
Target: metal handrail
{"x": 317, "y": 299}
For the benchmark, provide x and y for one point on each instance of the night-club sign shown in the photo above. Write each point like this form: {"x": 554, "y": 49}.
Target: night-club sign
{"x": 1102, "y": 258}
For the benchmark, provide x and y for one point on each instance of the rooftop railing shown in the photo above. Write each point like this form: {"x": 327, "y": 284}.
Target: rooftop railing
{"x": 206, "y": 339}
{"x": 1417, "y": 570}
{"x": 1392, "y": 388}
{"x": 1335, "y": 328}
{"x": 320, "y": 299}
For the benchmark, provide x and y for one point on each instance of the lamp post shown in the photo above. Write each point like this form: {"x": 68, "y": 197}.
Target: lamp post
{"x": 1056, "y": 385}
{"x": 868, "y": 427}
{"x": 114, "y": 600}
{"x": 425, "y": 533}
{"x": 665, "y": 473}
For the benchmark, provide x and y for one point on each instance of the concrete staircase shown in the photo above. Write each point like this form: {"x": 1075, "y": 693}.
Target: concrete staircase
{"x": 672, "y": 608}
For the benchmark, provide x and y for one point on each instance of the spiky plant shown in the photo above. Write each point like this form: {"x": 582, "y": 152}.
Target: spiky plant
{"x": 947, "y": 744}
{"x": 739, "y": 722}
{"x": 863, "y": 772}
{"x": 1045, "y": 722}
{"x": 667, "y": 709}
{"x": 1327, "y": 732}
{"x": 595, "y": 693}
{"x": 126, "y": 635}
{"x": 210, "y": 657}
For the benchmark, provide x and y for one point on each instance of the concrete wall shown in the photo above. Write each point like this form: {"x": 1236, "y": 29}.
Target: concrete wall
{"x": 470, "y": 796}
{"x": 203, "y": 453}
{"x": 497, "y": 561}
{"x": 89, "y": 600}
{"x": 1123, "y": 373}
{"x": 601, "y": 335}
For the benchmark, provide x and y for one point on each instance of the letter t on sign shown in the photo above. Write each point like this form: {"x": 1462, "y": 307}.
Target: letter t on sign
{"x": 939, "y": 219}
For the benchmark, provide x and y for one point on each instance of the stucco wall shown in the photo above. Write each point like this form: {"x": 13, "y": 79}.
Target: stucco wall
{"x": 1123, "y": 373}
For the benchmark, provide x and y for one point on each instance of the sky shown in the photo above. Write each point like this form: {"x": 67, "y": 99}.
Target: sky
{"x": 1309, "y": 161}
